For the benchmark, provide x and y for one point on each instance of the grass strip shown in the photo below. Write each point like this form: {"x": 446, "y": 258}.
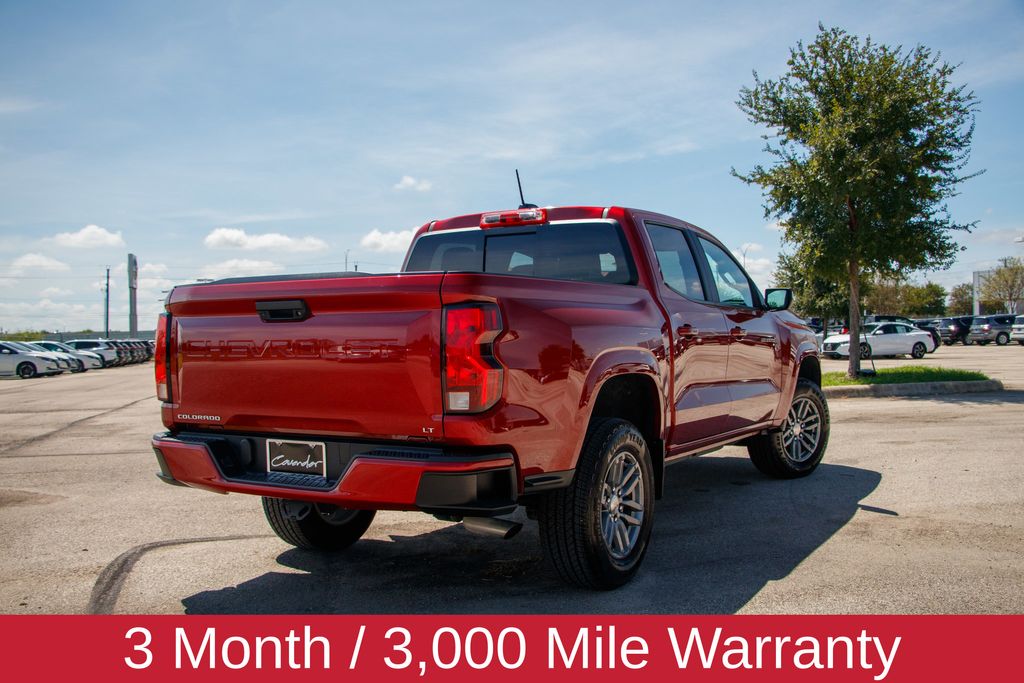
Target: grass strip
{"x": 904, "y": 375}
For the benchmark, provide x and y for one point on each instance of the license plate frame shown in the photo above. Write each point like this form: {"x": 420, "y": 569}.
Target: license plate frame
{"x": 287, "y": 450}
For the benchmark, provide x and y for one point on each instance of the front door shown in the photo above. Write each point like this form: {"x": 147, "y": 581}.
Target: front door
{"x": 753, "y": 374}
{"x": 700, "y": 342}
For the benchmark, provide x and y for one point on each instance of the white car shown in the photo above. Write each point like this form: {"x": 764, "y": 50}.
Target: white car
{"x": 882, "y": 339}
{"x": 89, "y": 360}
{"x": 17, "y": 363}
{"x": 98, "y": 346}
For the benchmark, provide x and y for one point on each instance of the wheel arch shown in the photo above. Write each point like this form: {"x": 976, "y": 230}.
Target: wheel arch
{"x": 628, "y": 387}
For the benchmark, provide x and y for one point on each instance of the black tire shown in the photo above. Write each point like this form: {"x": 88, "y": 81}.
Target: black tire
{"x": 573, "y": 520}
{"x": 919, "y": 350}
{"x": 865, "y": 351}
{"x": 1021, "y": 342}
{"x": 26, "y": 370}
{"x": 772, "y": 454}
{"x": 1002, "y": 339}
{"x": 983, "y": 343}
{"x": 315, "y": 526}
{"x": 968, "y": 342}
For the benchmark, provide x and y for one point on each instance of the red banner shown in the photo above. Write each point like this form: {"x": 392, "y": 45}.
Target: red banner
{"x": 505, "y": 648}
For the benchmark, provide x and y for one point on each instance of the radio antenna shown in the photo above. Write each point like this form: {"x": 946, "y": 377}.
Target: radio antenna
{"x": 522, "y": 201}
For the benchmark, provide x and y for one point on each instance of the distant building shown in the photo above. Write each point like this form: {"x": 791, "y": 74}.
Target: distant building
{"x": 979, "y": 281}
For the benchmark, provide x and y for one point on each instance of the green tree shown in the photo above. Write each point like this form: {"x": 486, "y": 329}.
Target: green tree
{"x": 868, "y": 143}
{"x": 928, "y": 299}
{"x": 1006, "y": 285}
{"x": 813, "y": 296}
{"x": 886, "y": 296}
{"x": 961, "y": 299}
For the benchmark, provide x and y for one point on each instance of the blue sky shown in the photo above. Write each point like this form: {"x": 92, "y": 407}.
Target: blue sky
{"x": 213, "y": 139}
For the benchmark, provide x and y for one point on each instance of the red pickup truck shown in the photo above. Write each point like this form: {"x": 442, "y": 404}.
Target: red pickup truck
{"x": 551, "y": 358}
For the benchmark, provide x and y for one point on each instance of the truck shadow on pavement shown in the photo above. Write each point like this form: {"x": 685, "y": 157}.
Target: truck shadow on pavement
{"x": 722, "y": 532}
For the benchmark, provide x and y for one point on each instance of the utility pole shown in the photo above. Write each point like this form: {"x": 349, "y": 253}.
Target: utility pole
{"x": 133, "y": 284}
{"x": 346, "y": 259}
{"x": 106, "y": 307}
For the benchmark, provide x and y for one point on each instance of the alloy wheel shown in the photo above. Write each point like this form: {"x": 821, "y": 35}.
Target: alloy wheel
{"x": 622, "y": 504}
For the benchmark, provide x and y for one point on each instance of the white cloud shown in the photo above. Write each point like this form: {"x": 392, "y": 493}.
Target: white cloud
{"x": 89, "y": 237}
{"x": 395, "y": 241}
{"x": 760, "y": 269}
{"x": 36, "y": 262}
{"x": 750, "y": 247}
{"x": 237, "y": 238}
{"x": 152, "y": 269}
{"x": 409, "y": 183}
{"x": 51, "y": 292}
{"x": 17, "y": 105}
{"x": 240, "y": 267}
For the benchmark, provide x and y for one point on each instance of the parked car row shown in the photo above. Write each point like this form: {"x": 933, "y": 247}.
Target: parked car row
{"x": 982, "y": 329}
{"x": 45, "y": 358}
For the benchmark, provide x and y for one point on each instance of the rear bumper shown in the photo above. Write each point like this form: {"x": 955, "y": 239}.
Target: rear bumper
{"x": 360, "y": 475}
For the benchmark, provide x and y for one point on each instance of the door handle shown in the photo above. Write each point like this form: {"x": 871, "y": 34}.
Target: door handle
{"x": 687, "y": 330}
{"x": 292, "y": 310}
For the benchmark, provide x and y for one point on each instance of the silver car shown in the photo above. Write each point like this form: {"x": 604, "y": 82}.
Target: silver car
{"x": 89, "y": 360}
{"x": 64, "y": 361}
{"x": 25, "y": 364}
{"x": 74, "y": 364}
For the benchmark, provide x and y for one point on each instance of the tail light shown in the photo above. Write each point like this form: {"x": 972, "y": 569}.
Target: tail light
{"x": 986, "y": 327}
{"x": 845, "y": 330}
{"x": 161, "y": 358}
{"x": 472, "y": 375}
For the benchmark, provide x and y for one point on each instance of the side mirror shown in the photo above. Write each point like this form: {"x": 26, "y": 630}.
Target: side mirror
{"x": 778, "y": 299}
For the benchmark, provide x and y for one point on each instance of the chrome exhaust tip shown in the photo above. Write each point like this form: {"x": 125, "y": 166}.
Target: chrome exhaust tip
{"x": 492, "y": 526}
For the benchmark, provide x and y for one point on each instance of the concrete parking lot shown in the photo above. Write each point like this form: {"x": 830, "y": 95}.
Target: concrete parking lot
{"x": 919, "y": 507}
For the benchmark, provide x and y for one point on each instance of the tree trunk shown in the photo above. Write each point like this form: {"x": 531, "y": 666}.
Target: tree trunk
{"x": 854, "y": 314}
{"x": 854, "y": 311}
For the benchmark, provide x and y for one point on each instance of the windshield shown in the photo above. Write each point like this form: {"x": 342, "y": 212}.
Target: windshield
{"x": 22, "y": 347}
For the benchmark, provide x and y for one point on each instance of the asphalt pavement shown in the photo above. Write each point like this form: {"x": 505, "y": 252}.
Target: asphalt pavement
{"x": 917, "y": 508}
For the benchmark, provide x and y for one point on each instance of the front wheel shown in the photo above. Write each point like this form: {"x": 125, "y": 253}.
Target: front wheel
{"x": 796, "y": 449}
{"x": 26, "y": 371}
{"x": 919, "y": 350}
{"x": 865, "y": 351}
{"x": 314, "y": 526}
{"x": 596, "y": 530}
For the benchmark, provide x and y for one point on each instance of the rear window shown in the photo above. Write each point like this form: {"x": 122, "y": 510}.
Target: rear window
{"x": 584, "y": 252}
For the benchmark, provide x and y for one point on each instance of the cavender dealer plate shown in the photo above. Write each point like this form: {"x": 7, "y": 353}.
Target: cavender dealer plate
{"x": 299, "y": 457}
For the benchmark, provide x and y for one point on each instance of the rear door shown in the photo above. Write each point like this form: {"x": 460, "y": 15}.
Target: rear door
{"x": 360, "y": 356}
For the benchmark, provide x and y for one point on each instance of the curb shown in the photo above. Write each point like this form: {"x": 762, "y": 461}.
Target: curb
{"x": 914, "y": 389}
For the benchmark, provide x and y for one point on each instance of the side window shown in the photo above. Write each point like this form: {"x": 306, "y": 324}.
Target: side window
{"x": 678, "y": 269}
{"x": 733, "y": 286}
{"x": 889, "y": 329}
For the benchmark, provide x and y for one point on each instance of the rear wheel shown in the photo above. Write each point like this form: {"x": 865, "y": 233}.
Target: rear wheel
{"x": 1002, "y": 339}
{"x": 26, "y": 371}
{"x": 796, "y": 449}
{"x": 596, "y": 530}
{"x": 316, "y": 526}
{"x": 919, "y": 350}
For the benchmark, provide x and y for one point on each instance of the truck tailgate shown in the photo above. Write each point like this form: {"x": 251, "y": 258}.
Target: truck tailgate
{"x": 364, "y": 361}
